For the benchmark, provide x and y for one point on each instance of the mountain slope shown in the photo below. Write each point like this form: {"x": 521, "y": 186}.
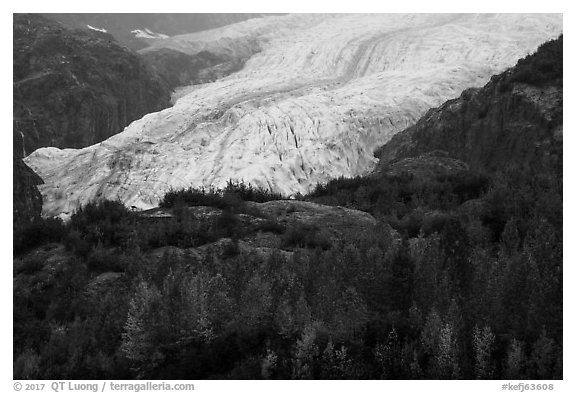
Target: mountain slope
{"x": 74, "y": 88}
{"x": 71, "y": 89}
{"x": 515, "y": 119}
{"x": 181, "y": 69}
{"x": 316, "y": 97}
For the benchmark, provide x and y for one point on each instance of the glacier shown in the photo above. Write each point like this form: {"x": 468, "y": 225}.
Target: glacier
{"x": 317, "y": 95}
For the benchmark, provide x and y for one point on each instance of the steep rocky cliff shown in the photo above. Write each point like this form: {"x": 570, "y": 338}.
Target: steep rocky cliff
{"x": 514, "y": 120}
{"x": 74, "y": 88}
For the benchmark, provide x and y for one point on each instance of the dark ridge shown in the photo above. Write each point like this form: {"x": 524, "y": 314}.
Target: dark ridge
{"x": 181, "y": 69}
{"x": 74, "y": 88}
{"x": 121, "y": 25}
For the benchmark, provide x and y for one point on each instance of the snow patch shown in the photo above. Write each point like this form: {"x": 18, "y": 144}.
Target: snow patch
{"x": 148, "y": 34}
{"x": 97, "y": 29}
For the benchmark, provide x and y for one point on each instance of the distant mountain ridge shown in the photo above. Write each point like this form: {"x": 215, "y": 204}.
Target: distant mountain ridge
{"x": 125, "y": 26}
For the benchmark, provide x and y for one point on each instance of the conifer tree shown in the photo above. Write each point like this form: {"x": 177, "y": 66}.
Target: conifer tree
{"x": 446, "y": 355}
{"x": 483, "y": 344}
{"x": 515, "y": 362}
{"x": 543, "y": 357}
{"x": 305, "y": 354}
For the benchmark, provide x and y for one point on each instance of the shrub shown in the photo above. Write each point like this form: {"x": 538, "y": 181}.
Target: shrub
{"x": 468, "y": 185}
{"x": 231, "y": 249}
{"x": 227, "y": 223}
{"x": 103, "y": 260}
{"x": 27, "y": 365}
{"x": 75, "y": 243}
{"x": 271, "y": 226}
{"x": 232, "y": 202}
{"x": 36, "y": 233}
{"x": 106, "y": 222}
{"x": 305, "y": 236}
{"x": 230, "y": 197}
{"x": 411, "y": 223}
{"x": 99, "y": 211}
{"x": 434, "y": 222}
{"x": 248, "y": 192}
{"x": 193, "y": 197}
{"x": 30, "y": 265}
